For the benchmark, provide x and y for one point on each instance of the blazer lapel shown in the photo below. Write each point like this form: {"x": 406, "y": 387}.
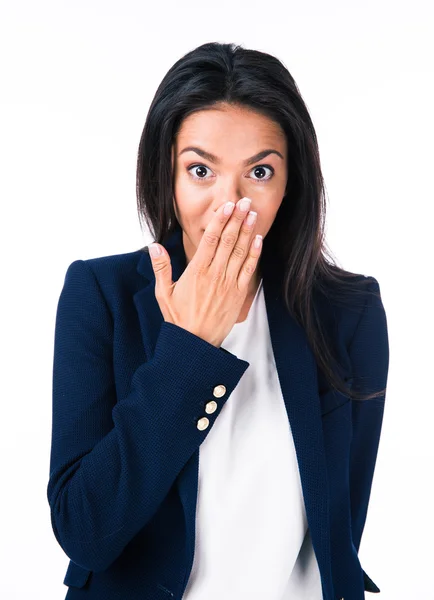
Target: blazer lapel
{"x": 297, "y": 372}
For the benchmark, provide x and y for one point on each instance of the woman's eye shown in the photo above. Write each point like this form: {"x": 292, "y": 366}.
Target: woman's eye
{"x": 200, "y": 172}
{"x": 260, "y": 170}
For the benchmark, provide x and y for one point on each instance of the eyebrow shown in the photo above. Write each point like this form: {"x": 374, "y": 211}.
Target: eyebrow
{"x": 216, "y": 160}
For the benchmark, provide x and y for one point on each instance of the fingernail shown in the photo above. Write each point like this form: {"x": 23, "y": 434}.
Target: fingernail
{"x": 229, "y": 207}
{"x": 155, "y": 250}
{"x": 251, "y": 217}
{"x": 244, "y": 204}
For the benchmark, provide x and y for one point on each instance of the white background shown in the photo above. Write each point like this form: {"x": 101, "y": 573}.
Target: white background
{"x": 76, "y": 82}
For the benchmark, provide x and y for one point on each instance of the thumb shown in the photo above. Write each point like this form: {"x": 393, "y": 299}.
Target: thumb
{"x": 161, "y": 265}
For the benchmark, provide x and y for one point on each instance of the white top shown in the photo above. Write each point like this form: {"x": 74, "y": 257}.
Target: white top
{"x": 252, "y": 537}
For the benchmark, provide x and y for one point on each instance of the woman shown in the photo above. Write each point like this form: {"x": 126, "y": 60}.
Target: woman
{"x": 268, "y": 361}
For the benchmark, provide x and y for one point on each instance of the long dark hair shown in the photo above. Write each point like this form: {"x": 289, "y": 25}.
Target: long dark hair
{"x": 215, "y": 73}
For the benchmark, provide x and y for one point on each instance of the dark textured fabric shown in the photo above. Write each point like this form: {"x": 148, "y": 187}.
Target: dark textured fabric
{"x": 128, "y": 390}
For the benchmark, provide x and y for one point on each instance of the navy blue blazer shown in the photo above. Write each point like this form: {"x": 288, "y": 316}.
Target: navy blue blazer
{"x": 128, "y": 390}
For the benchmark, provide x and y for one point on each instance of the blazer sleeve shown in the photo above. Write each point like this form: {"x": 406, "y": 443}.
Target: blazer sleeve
{"x": 369, "y": 355}
{"x": 113, "y": 460}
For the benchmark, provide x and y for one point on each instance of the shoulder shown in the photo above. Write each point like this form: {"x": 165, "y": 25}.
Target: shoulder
{"x": 342, "y": 299}
{"x": 111, "y": 268}
{"x": 113, "y": 264}
{"x": 342, "y": 291}
{"x": 111, "y": 279}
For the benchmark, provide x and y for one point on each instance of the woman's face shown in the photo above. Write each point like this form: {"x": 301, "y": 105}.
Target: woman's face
{"x": 202, "y": 184}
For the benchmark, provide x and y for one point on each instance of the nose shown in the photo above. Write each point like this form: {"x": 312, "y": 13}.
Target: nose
{"x": 228, "y": 196}
{"x": 235, "y": 198}
{"x": 228, "y": 189}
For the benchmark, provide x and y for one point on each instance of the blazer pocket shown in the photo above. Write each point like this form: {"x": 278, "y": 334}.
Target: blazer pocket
{"x": 332, "y": 399}
{"x": 76, "y": 576}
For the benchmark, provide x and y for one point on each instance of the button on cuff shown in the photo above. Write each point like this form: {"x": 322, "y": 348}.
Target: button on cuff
{"x": 203, "y": 423}
{"x": 219, "y": 391}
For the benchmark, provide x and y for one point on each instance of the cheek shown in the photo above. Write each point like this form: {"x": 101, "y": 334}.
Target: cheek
{"x": 188, "y": 211}
{"x": 267, "y": 214}
{"x": 186, "y": 192}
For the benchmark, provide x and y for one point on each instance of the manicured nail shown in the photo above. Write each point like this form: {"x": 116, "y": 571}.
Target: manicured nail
{"x": 251, "y": 217}
{"x": 155, "y": 250}
{"x": 258, "y": 241}
{"x": 229, "y": 207}
{"x": 244, "y": 203}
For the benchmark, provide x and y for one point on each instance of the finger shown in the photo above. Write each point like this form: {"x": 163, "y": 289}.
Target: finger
{"x": 235, "y": 241}
{"x": 210, "y": 240}
{"x": 242, "y": 245}
{"x": 162, "y": 269}
{"x": 249, "y": 265}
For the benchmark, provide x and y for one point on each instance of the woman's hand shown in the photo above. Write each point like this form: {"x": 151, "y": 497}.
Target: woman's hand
{"x": 208, "y": 297}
